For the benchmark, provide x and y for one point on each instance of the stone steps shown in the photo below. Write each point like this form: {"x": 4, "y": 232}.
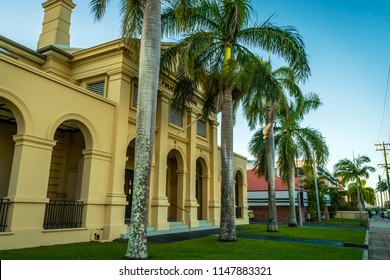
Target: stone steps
{"x": 177, "y": 227}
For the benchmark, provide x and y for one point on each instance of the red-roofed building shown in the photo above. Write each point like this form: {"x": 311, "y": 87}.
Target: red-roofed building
{"x": 258, "y": 198}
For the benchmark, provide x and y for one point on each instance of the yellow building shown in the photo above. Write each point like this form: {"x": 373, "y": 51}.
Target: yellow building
{"x": 67, "y": 131}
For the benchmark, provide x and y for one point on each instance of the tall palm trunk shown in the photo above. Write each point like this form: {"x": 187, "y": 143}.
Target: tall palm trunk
{"x": 270, "y": 150}
{"x": 292, "y": 222}
{"x": 227, "y": 228}
{"x": 145, "y": 127}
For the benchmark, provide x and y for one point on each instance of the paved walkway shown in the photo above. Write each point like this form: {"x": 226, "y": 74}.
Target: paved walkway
{"x": 379, "y": 239}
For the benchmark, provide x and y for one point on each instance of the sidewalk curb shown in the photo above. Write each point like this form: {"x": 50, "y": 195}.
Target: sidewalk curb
{"x": 366, "y": 242}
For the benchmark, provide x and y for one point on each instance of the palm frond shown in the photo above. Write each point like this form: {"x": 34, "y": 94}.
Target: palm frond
{"x": 285, "y": 42}
{"x": 132, "y": 18}
{"x": 98, "y": 8}
{"x": 257, "y": 148}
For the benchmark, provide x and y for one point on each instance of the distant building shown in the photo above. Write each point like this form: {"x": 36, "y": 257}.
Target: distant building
{"x": 258, "y": 193}
{"x": 258, "y": 197}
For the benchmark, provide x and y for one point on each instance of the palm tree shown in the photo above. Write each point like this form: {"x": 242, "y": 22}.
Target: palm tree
{"x": 219, "y": 34}
{"x": 141, "y": 18}
{"x": 270, "y": 97}
{"x": 381, "y": 187}
{"x": 367, "y": 194}
{"x": 354, "y": 171}
{"x": 294, "y": 141}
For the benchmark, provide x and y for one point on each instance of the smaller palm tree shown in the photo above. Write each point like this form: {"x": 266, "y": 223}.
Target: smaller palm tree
{"x": 367, "y": 193}
{"x": 268, "y": 97}
{"x": 354, "y": 171}
{"x": 294, "y": 141}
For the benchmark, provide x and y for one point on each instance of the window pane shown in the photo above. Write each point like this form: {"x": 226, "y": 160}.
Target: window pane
{"x": 175, "y": 117}
{"x": 201, "y": 128}
{"x": 135, "y": 96}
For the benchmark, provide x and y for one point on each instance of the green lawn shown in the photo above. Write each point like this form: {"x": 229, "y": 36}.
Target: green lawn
{"x": 346, "y": 222}
{"x": 340, "y": 234}
{"x": 210, "y": 248}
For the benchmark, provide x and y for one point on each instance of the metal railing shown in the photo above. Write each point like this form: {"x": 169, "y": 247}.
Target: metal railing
{"x": 185, "y": 211}
{"x": 60, "y": 214}
{"x": 4, "y": 204}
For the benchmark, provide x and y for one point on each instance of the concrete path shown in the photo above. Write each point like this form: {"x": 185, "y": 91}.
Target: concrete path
{"x": 379, "y": 239}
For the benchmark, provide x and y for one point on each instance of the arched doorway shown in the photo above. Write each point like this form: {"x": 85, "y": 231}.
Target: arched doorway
{"x": 8, "y": 128}
{"x": 129, "y": 179}
{"x": 175, "y": 185}
{"x": 66, "y": 177}
{"x": 201, "y": 188}
{"x": 238, "y": 194}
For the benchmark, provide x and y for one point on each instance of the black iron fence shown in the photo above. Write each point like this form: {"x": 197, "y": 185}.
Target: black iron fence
{"x": 61, "y": 214}
{"x": 4, "y": 204}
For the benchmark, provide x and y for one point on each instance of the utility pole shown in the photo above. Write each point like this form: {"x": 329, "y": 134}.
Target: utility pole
{"x": 385, "y": 147}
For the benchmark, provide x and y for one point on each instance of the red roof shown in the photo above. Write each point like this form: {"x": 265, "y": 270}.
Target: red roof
{"x": 256, "y": 183}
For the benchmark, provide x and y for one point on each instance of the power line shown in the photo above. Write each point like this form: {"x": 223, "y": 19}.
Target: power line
{"x": 384, "y": 103}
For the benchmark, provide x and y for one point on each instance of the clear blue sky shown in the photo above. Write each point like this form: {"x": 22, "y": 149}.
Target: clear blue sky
{"x": 348, "y": 42}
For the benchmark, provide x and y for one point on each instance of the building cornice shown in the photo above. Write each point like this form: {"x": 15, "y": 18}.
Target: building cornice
{"x": 14, "y": 47}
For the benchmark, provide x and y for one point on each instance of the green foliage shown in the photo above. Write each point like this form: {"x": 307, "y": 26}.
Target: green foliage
{"x": 309, "y": 184}
{"x": 216, "y": 43}
{"x": 353, "y": 170}
{"x": 335, "y": 200}
{"x": 367, "y": 193}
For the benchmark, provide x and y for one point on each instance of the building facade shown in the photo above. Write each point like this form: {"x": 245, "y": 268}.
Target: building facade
{"x": 67, "y": 138}
{"x": 258, "y": 194}
{"x": 258, "y": 198}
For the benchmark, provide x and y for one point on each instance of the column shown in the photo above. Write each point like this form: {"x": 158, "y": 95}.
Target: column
{"x": 191, "y": 204}
{"x": 29, "y": 181}
{"x": 118, "y": 90}
{"x": 158, "y": 198}
{"x": 215, "y": 187}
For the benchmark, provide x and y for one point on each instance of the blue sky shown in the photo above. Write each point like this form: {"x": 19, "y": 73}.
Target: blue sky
{"x": 348, "y": 42}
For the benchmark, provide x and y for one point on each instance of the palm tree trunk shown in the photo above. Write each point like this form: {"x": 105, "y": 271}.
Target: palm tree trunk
{"x": 291, "y": 195}
{"x": 359, "y": 206}
{"x": 270, "y": 150}
{"x": 227, "y": 230}
{"x": 362, "y": 199}
{"x": 145, "y": 127}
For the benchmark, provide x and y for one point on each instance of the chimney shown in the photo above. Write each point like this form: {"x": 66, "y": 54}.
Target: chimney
{"x": 56, "y": 23}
